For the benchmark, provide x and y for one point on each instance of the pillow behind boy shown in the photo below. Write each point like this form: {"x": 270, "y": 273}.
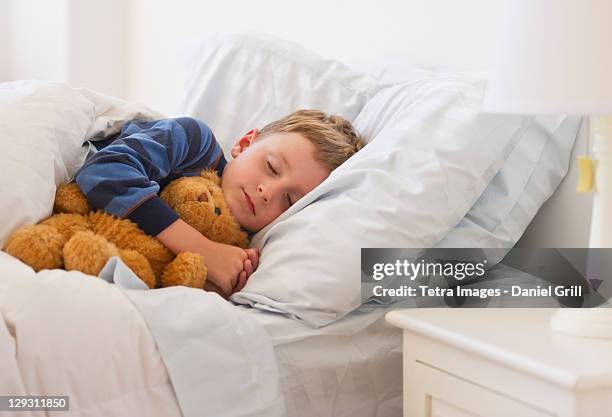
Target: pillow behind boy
{"x": 529, "y": 176}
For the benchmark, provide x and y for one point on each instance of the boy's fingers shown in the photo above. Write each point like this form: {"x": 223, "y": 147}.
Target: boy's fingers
{"x": 248, "y": 267}
{"x": 256, "y": 261}
{"x": 242, "y": 279}
{"x": 254, "y": 257}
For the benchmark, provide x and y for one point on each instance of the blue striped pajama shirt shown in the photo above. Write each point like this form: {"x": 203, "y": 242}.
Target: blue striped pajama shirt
{"x": 128, "y": 170}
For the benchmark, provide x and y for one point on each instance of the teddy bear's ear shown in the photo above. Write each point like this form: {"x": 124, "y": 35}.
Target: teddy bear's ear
{"x": 211, "y": 174}
{"x": 70, "y": 199}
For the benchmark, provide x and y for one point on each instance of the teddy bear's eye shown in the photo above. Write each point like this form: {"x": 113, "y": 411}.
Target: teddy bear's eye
{"x": 217, "y": 211}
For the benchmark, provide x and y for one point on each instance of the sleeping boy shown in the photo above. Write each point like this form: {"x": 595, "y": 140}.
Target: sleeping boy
{"x": 271, "y": 169}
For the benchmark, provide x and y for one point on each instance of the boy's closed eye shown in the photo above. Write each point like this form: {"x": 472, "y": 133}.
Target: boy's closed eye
{"x": 272, "y": 169}
{"x": 276, "y": 173}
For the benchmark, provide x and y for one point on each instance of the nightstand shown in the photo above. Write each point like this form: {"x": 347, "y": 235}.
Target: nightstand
{"x": 500, "y": 362}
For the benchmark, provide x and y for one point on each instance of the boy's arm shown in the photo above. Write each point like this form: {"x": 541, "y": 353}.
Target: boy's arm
{"x": 123, "y": 178}
{"x": 181, "y": 237}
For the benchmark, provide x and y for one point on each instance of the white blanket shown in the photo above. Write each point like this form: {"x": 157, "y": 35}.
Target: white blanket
{"x": 64, "y": 333}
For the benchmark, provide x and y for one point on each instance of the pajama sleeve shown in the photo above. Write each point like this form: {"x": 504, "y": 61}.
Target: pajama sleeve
{"x": 124, "y": 177}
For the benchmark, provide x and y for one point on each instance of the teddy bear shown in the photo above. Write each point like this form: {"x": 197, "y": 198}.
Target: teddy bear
{"x": 77, "y": 238}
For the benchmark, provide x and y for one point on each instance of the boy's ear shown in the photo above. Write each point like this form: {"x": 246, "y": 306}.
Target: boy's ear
{"x": 244, "y": 142}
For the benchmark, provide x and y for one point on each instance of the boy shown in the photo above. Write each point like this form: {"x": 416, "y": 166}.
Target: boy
{"x": 271, "y": 169}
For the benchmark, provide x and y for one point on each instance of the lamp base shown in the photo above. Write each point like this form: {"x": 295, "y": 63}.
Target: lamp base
{"x": 585, "y": 322}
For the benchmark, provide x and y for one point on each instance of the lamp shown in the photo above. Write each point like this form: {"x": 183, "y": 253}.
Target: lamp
{"x": 555, "y": 58}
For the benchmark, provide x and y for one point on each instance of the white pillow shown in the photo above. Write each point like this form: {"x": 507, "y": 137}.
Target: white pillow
{"x": 42, "y": 127}
{"x": 235, "y": 82}
{"x": 432, "y": 154}
{"x": 530, "y": 175}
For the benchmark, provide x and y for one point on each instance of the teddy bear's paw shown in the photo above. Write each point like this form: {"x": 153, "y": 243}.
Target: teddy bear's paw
{"x": 88, "y": 253}
{"x": 186, "y": 269}
{"x": 69, "y": 199}
{"x": 39, "y": 246}
{"x": 68, "y": 224}
{"x": 139, "y": 264}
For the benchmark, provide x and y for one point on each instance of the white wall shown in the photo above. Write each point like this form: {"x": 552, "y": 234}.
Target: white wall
{"x": 98, "y": 45}
{"x": 361, "y": 32}
{"x": 39, "y": 39}
{"x": 4, "y": 40}
{"x": 82, "y": 43}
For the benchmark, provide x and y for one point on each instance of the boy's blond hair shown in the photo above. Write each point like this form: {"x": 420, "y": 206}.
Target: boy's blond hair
{"x": 333, "y": 137}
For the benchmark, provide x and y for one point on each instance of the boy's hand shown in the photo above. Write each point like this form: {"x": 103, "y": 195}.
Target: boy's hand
{"x": 225, "y": 265}
{"x": 228, "y": 266}
{"x": 250, "y": 265}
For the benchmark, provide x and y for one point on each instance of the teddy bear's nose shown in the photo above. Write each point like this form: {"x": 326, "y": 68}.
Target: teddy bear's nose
{"x": 203, "y": 198}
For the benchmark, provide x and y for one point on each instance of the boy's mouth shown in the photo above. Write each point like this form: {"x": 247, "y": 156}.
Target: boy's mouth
{"x": 249, "y": 202}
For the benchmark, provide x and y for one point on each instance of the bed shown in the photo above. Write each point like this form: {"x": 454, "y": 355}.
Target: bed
{"x": 298, "y": 340}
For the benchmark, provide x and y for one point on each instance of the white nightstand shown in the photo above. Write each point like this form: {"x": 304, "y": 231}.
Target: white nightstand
{"x": 500, "y": 362}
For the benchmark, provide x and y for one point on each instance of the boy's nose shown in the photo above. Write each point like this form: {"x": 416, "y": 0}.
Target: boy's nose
{"x": 264, "y": 194}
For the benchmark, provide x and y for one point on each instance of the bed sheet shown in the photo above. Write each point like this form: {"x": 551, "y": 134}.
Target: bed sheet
{"x": 354, "y": 367}
{"x": 350, "y": 368}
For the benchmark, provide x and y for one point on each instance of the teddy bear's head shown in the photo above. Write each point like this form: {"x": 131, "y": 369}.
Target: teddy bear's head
{"x": 199, "y": 201}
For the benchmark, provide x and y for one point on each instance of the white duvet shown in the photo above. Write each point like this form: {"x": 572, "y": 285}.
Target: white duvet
{"x": 120, "y": 352}
{"x": 69, "y": 334}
